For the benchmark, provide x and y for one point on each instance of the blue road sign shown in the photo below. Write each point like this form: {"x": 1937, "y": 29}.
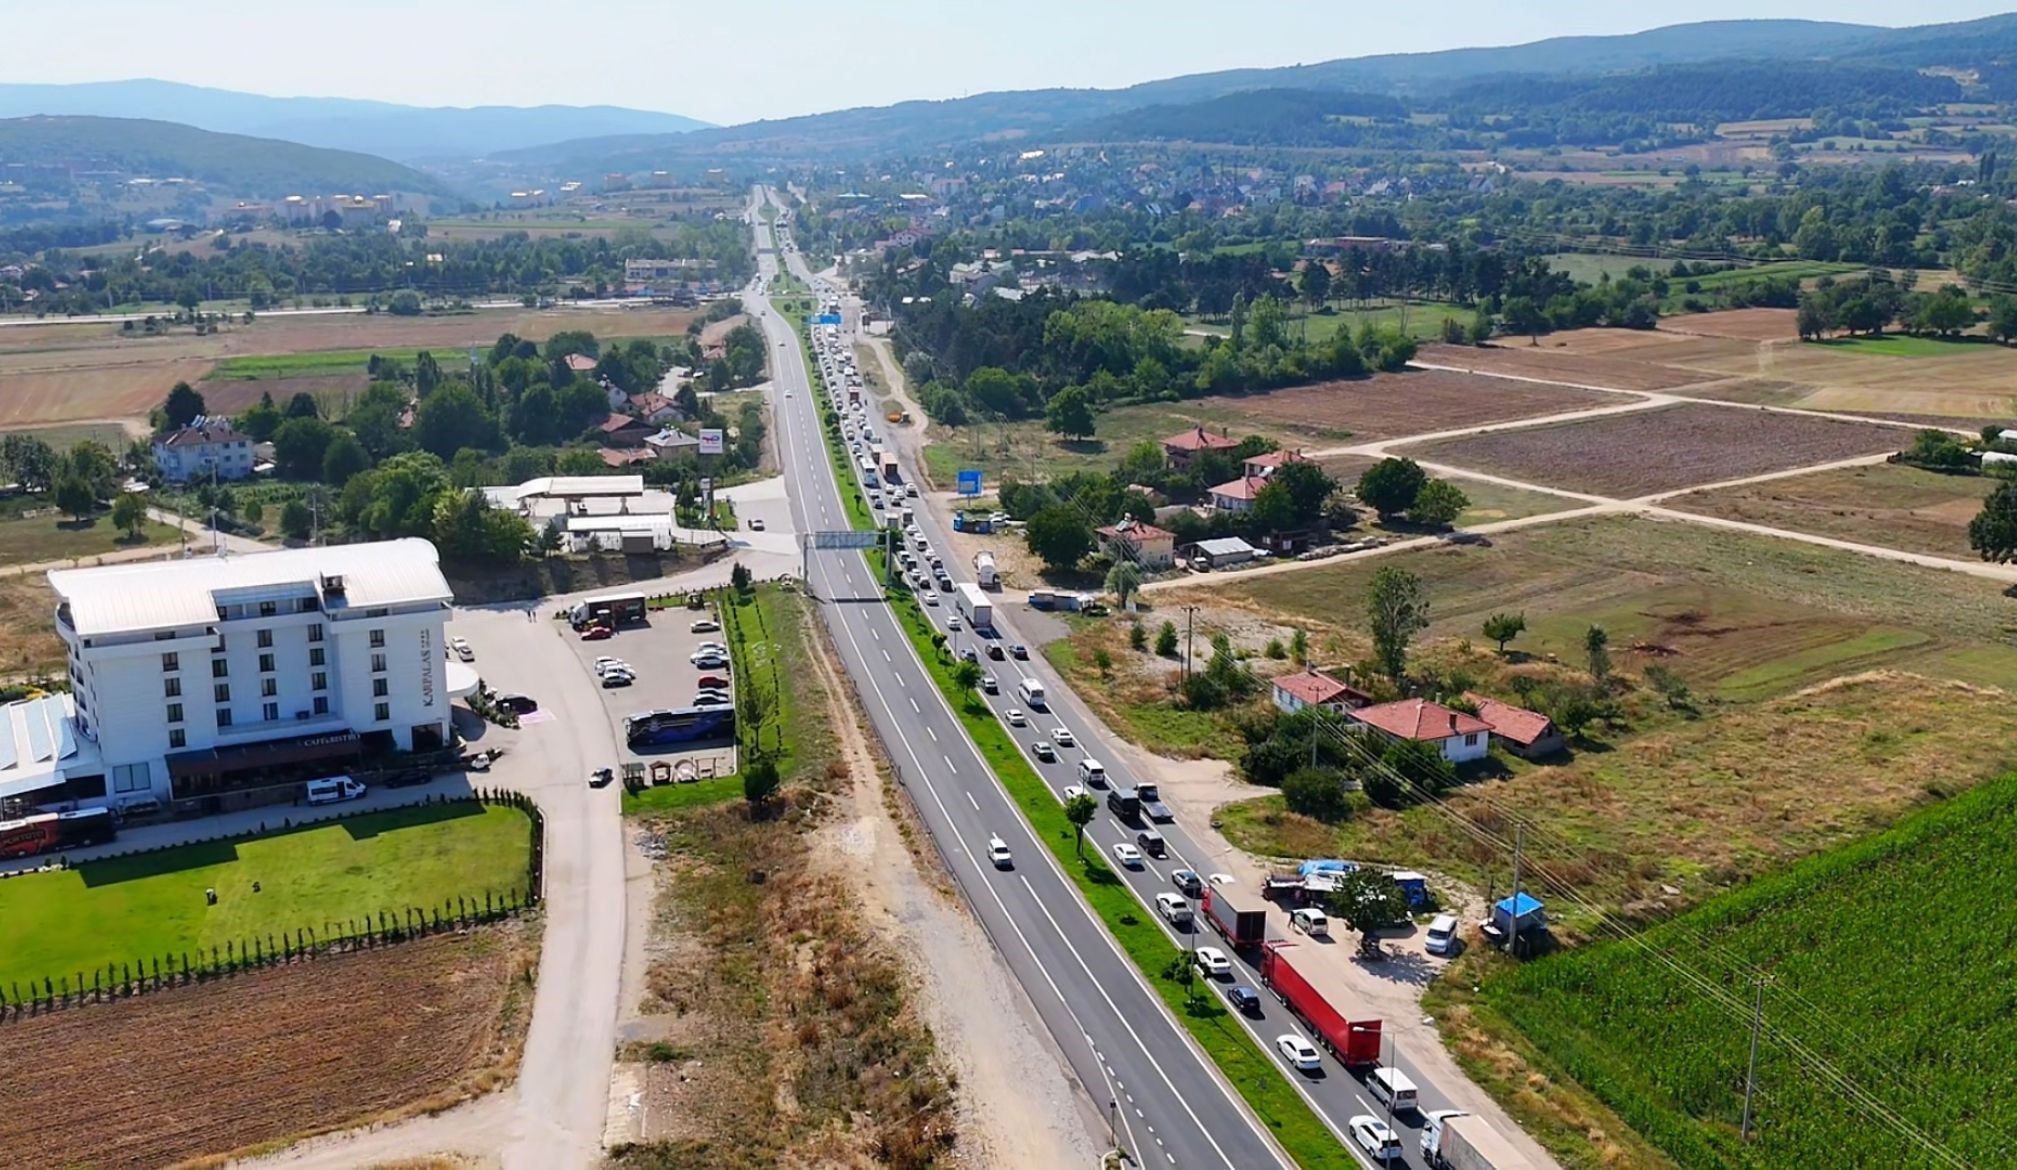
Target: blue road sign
{"x": 827, "y": 319}
{"x": 969, "y": 483}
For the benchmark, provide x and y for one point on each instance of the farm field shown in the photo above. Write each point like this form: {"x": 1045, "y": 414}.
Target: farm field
{"x": 1698, "y": 806}
{"x": 1489, "y": 501}
{"x": 1650, "y": 451}
{"x": 1737, "y": 324}
{"x": 1415, "y": 402}
{"x": 268, "y": 1056}
{"x": 1886, "y": 504}
{"x": 1900, "y": 345}
{"x": 1555, "y": 361}
{"x": 1419, "y": 319}
{"x": 1861, "y": 975}
{"x": 1740, "y": 617}
{"x": 149, "y": 905}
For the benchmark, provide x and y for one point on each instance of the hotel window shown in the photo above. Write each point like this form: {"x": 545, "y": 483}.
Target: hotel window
{"x": 172, "y": 686}
{"x": 268, "y": 609}
{"x": 131, "y": 777}
{"x": 268, "y": 688}
{"x": 220, "y": 668}
{"x": 319, "y": 681}
{"x": 221, "y": 692}
{"x": 174, "y": 712}
{"x": 315, "y": 633}
{"x": 381, "y": 712}
{"x": 321, "y": 705}
{"x": 379, "y": 689}
{"x": 377, "y": 639}
{"x": 269, "y": 711}
{"x": 315, "y": 656}
{"x": 265, "y": 639}
{"x": 378, "y": 662}
{"x": 176, "y": 739}
{"x": 171, "y": 662}
{"x": 266, "y": 662}
{"x": 224, "y": 717}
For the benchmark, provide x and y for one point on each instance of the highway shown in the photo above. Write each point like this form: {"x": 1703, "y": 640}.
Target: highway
{"x": 1170, "y": 1106}
{"x": 1335, "y": 1095}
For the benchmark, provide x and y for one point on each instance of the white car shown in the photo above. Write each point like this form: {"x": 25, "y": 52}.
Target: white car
{"x": 1372, "y": 1135}
{"x": 462, "y": 649}
{"x": 998, "y": 853}
{"x": 1173, "y": 908}
{"x": 1442, "y": 936}
{"x": 605, "y": 662}
{"x": 1061, "y": 737}
{"x": 710, "y": 648}
{"x": 709, "y": 661}
{"x": 1299, "y": 1052}
{"x": 952, "y": 623}
{"x": 1213, "y": 962}
{"x": 1073, "y": 792}
{"x": 931, "y": 599}
{"x": 704, "y": 626}
{"x": 1127, "y": 855}
{"x": 1015, "y": 717}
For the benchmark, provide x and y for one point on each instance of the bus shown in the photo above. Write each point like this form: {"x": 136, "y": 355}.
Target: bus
{"x": 65, "y": 830}
{"x": 678, "y": 725}
{"x": 868, "y": 473}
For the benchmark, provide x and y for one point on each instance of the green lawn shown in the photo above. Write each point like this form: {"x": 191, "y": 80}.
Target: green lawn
{"x": 28, "y": 540}
{"x": 1903, "y": 346}
{"x": 1423, "y": 319}
{"x": 258, "y": 367}
{"x": 152, "y": 905}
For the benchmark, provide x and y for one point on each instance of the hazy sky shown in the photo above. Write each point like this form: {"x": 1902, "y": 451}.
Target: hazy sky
{"x": 736, "y": 60}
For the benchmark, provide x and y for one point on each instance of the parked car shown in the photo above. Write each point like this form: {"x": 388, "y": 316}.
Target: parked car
{"x": 462, "y": 650}
{"x": 1299, "y": 1052}
{"x": 704, "y": 626}
{"x": 712, "y": 682}
{"x": 1441, "y": 938}
{"x": 712, "y": 701}
{"x": 617, "y": 678}
{"x": 1310, "y": 921}
{"x": 601, "y": 777}
{"x": 1213, "y": 962}
{"x": 605, "y": 662}
{"x": 712, "y": 648}
{"x": 515, "y": 703}
{"x": 710, "y": 661}
{"x": 596, "y": 633}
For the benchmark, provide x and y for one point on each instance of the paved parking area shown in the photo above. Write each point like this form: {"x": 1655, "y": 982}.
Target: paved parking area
{"x": 659, "y": 653}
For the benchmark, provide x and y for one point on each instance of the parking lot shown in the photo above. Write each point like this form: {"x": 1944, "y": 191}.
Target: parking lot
{"x": 659, "y": 654}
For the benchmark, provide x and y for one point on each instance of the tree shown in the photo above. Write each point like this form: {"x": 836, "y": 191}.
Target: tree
{"x": 74, "y": 495}
{"x": 1308, "y": 485}
{"x": 1671, "y": 687}
{"x": 303, "y": 405}
{"x": 452, "y": 418}
{"x": 966, "y": 675}
{"x": 1299, "y": 647}
{"x": 1060, "y": 537}
{"x": 1597, "y": 644}
{"x": 740, "y": 578}
{"x": 1367, "y": 901}
{"x": 1315, "y": 282}
{"x": 1937, "y": 450}
{"x": 28, "y": 461}
{"x": 756, "y": 705}
{"x": 1070, "y": 413}
{"x": 2003, "y": 319}
{"x": 760, "y": 782}
{"x": 1504, "y": 627}
{"x": 299, "y": 447}
{"x": 296, "y": 521}
{"x": 1166, "y": 640}
{"x": 129, "y": 512}
{"x": 1316, "y": 792}
{"x": 405, "y": 303}
{"x": 1103, "y": 661}
{"x": 1438, "y": 504}
{"x": 1122, "y": 581}
{"x": 1138, "y": 637}
{"x": 1080, "y": 811}
{"x": 261, "y": 419}
{"x": 343, "y": 458}
{"x": 1993, "y": 531}
{"x": 1396, "y": 610}
{"x": 1390, "y": 486}
{"x": 182, "y": 407}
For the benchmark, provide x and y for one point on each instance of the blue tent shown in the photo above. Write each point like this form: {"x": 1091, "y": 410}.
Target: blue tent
{"x": 1328, "y": 865}
{"x": 1520, "y": 912}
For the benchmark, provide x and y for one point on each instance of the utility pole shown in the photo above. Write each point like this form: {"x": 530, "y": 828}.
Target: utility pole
{"x": 1190, "y": 617}
{"x": 1751, "y": 1067}
{"x": 1513, "y": 919}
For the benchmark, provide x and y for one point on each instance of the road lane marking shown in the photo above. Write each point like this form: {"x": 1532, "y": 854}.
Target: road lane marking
{"x": 933, "y": 734}
{"x": 975, "y": 803}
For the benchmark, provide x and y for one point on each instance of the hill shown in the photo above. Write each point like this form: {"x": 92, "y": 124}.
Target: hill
{"x": 1275, "y": 117}
{"x": 406, "y": 133}
{"x": 232, "y": 163}
{"x": 1712, "y": 92}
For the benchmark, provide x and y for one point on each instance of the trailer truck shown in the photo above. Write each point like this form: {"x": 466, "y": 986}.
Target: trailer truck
{"x": 887, "y": 460}
{"x": 975, "y": 607}
{"x": 1354, "y": 1042}
{"x": 1241, "y": 927}
{"x": 1453, "y": 1140}
{"x": 984, "y": 570}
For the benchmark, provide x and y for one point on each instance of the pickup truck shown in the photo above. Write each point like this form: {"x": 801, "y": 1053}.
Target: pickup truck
{"x": 1152, "y": 804}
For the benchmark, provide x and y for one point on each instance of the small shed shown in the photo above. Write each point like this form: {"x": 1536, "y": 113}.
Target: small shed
{"x": 1223, "y": 551}
{"x": 1414, "y": 886}
{"x": 1519, "y": 914}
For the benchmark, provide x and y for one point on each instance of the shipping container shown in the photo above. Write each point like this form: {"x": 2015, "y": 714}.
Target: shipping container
{"x": 1355, "y": 1042}
{"x": 1241, "y": 927}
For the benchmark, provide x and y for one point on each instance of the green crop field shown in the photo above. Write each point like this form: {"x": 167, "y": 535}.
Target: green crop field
{"x": 1903, "y": 346}
{"x": 152, "y": 905}
{"x": 259, "y": 367}
{"x": 1889, "y": 966}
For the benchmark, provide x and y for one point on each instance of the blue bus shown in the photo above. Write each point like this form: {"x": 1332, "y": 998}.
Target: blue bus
{"x": 678, "y": 725}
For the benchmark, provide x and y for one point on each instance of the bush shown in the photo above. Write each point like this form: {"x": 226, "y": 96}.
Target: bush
{"x": 1317, "y": 792}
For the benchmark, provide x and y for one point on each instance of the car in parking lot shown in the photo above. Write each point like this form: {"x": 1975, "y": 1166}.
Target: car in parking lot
{"x": 1371, "y": 1134}
{"x": 1015, "y": 717}
{"x": 515, "y": 703}
{"x": 1245, "y": 1000}
{"x": 461, "y": 649}
{"x": 605, "y": 662}
{"x": 1042, "y": 750}
{"x": 998, "y": 853}
{"x": 704, "y": 626}
{"x": 1213, "y": 962}
{"x": 1299, "y": 1052}
{"x": 1062, "y": 736}
{"x": 712, "y": 700}
{"x": 1187, "y": 881}
{"x": 709, "y": 661}
{"x": 1127, "y": 855}
{"x": 711, "y": 648}
{"x": 712, "y": 682}
{"x": 596, "y": 633}
{"x": 612, "y": 679}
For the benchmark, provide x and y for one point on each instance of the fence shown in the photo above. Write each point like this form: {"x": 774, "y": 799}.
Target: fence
{"x": 144, "y": 975}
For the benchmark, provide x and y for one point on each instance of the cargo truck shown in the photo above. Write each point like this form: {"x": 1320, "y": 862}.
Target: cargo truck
{"x": 1243, "y": 928}
{"x": 1453, "y": 1140}
{"x": 613, "y": 610}
{"x": 984, "y": 569}
{"x": 887, "y": 459}
{"x": 975, "y": 607}
{"x": 1354, "y": 1042}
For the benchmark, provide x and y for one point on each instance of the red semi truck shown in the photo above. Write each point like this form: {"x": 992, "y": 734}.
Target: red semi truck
{"x": 1355, "y": 1042}
{"x": 1241, "y": 927}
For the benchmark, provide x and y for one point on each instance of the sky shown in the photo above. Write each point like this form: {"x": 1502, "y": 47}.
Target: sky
{"x": 728, "y": 61}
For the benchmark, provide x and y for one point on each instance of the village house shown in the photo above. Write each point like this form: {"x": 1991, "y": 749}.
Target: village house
{"x": 1311, "y": 687}
{"x": 1238, "y": 495}
{"x": 1179, "y": 449}
{"x": 1527, "y": 734}
{"x": 1145, "y": 544}
{"x": 204, "y": 447}
{"x": 653, "y": 407}
{"x": 1461, "y": 738}
{"x": 580, "y": 363}
{"x": 621, "y": 430}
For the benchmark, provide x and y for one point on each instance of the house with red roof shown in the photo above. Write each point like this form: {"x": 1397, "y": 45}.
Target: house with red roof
{"x": 653, "y": 407}
{"x": 1238, "y": 495}
{"x": 1528, "y": 734}
{"x": 1180, "y": 448}
{"x": 1460, "y": 737}
{"x": 1145, "y": 544}
{"x": 581, "y": 363}
{"x": 621, "y": 430}
{"x": 1311, "y": 687}
{"x": 1267, "y": 463}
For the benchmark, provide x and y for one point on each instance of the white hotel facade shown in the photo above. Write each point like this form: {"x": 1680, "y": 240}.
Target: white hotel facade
{"x": 227, "y": 680}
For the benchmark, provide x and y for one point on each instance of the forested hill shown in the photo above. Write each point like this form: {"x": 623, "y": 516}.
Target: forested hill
{"x": 261, "y": 167}
{"x": 1287, "y": 117}
{"x": 1713, "y": 92}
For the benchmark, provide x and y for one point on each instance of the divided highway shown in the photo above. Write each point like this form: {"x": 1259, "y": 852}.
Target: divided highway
{"x": 1171, "y": 1106}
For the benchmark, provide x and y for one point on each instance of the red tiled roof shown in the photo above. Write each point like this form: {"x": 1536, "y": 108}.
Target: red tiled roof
{"x": 217, "y": 433}
{"x": 1244, "y": 488}
{"x": 580, "y": 363}
{"x": 1199, "y": 439}
{"x": 1275, "y": 459}
{"x": 1518, "y": 724}
{"x": 650, "y": 402}
{"x": 1317, "y": 688}
{"x": 1135, "y": 532}
{"x": 1421, "y": 719}
{"x": 615, "y": 458}
{"x": 617, "y": 422}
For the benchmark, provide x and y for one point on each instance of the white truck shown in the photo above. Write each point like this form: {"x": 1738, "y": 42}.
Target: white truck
{"x": 984, "y": 569}
{"x": 975, "y": 607}
{"x": 1455, "y": 1140}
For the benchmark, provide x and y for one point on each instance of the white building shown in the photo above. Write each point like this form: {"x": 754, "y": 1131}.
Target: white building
{"x": 203, "y": 446}
{"x": 1458, "y": 735}
{"x": 216, "y": 678}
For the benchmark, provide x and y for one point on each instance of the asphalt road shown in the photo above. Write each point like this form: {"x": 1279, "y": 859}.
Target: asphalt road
{"x": 1333, "y": 1093}
{"x": 1170, "y": 1104}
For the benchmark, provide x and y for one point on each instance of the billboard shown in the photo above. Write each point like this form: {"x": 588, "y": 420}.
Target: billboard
{"x": 969, "y": 483}
{"x": 710, "y": 441}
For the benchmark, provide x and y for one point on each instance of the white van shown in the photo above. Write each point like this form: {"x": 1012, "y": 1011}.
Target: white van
{"x": 334, "y": 789}
{"x": 1091, "y": 774}
{"x": 1442, "y": 936}
{"x": 1311, "y": 921}
{"x": 1392, "y": 1083}
{"x": 1032, "y": 692}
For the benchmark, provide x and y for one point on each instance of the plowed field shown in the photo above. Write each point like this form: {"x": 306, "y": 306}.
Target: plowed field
{"x": 1416, "y": 402}
{"x": 283, "y": 1053}
{"x": 1553, "y": 361}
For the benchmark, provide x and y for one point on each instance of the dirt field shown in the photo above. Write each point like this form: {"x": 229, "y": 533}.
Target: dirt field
{"x": 1888, "y": 504}
{"x": 61, "y": 373}
{"x": 29, "y": 647}
{"x": 267, "y": 1056}
{"x": 1419, "y": 401}
{"x": 334, "y": 391}
{"x": 1556, "y": 360}
{"x": 1742, "y": 324}
{"x": 1630, "y": 455}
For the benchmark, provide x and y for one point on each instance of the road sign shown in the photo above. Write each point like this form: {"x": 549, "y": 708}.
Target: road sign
{"x": 827, "y": 319}
{"x": 969, "y": 483}
{"x": 710, "y": 441}
{"x": 846, "y": 539}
